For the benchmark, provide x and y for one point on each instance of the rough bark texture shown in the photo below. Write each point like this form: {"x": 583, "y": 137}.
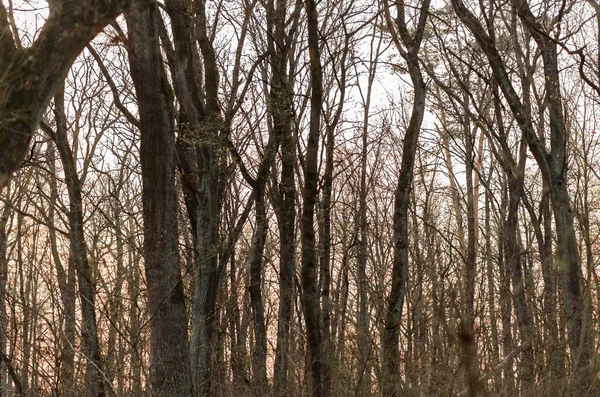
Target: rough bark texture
{"x": 199, "y": 126}
{"x": 259, "y": 355}
{"x": 169, "y": 359}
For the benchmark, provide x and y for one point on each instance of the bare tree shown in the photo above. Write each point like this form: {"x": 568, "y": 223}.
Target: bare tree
{"x": 408, "y": 44}
{"x": 169, "y": 357}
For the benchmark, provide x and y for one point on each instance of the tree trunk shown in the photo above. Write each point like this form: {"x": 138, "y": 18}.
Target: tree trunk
{"x": 390, "y": 339}
{"x": 67, "y": 280}
{"x": 169, "y": 359}
{"x": 259, "y": 355}
{"x": 4, "y": 218}
{"x": 553, "y": 167}
{"x": 310, "y": 297}
{"x": 78, "y": 256}
{"x": 280, "y": 106}
{"x": 513, "y": 257}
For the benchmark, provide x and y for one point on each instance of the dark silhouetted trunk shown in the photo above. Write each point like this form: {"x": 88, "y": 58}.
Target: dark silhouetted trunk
{"x": 4, "y": 217}
{"x": 310, "y": 296}
{"x": 67, "y": 283}
{"x": 390, "y": 339}
{"x": 284, "y": 202}
{"x": 169, "y": 359}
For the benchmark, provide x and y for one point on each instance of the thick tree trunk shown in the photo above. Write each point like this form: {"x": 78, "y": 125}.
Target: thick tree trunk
{"x": 199, "y": 128}
{"x": 280, "y": 107}
{"x": 169, "y": 359}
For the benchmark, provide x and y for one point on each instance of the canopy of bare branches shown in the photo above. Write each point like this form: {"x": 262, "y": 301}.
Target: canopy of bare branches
{"x": 299, "y": 198}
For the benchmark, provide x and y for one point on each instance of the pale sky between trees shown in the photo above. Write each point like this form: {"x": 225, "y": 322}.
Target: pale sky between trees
{"x": 299, "y": 198}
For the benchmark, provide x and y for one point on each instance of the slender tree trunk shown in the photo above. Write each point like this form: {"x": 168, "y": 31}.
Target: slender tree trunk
{"x": 4, "y": 218}
{"x": 259, "y": 355}
{"x": 508, "y": 384}
{"x": 390, "y": 339}
{"x": 115, "y": 308}
{"x": 543, "y": 233}
{"x": 66, "y": 283}
{"x": 78, "y": 256}
{"x": 310, "y": 297}
{"x": 134, "y": 316}
{"x": 287, "y": 266}
{"x": 491, "y": 283}
{"x": 513, "y": 257}
{"x": 363, "y": 340}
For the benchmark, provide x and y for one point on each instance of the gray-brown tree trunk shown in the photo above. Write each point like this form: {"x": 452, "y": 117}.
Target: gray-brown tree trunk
{"x": 390, "y": 384}
{"x": 169, "y": 358}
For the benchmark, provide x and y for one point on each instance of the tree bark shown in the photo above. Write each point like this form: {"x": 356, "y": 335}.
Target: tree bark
{"x": 169, "y": 359}
{"x": 4, "y": 218}
{"x": 67, "y": 280}
{"x": 199, "y": 124}
{"x": 280, "y": 106}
